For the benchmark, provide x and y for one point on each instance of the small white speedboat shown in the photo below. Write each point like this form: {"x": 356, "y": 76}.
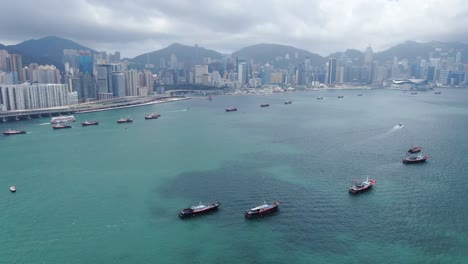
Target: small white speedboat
{"x": 12, "y": 188}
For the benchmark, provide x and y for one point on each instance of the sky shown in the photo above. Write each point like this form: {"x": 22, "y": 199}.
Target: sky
{"x": 134, "y": 27}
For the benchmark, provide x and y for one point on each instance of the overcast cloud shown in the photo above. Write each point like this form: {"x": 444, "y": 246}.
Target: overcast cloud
{"x": 322, "y": 26}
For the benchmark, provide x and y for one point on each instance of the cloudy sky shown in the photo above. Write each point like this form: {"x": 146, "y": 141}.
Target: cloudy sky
{"x": 322, "y": 26}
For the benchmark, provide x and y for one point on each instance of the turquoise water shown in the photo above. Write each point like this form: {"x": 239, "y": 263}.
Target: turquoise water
{"x": 111, "y": 193}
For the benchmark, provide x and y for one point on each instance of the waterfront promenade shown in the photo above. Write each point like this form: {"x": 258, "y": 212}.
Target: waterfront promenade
{"x": 105, "y": 105}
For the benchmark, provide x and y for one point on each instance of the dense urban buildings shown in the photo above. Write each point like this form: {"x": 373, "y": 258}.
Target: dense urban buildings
{"x": 89, "y": 76}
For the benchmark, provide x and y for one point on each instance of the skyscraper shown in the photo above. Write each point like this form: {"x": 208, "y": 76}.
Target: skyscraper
{"x": 16, "y": 66}
{"x": 242, "y": 73}
{"x": 118, "y": 84}
{"x": 3, "y": 60}
{"x": 331, "y": 71}
{"x": 131, "y": 83}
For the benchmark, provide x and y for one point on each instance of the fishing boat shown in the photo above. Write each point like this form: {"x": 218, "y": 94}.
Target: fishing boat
{"x": 12, "y": 189}
{"x": 415, "y": 159}
{"x": 62, "y": 119}
{"x": 262, "y": 210}
{"x": 152, "y": 116}
{"x": 415, "y": 149}
{"x": 288, "y": 102}
{"x": 11, "y": 132}
{"x": 357, "y": 187}
{"x": 90, "y": 123}
{"x": 124, "y": 120}
{"x": 264, "y": 105}
{"x": 198, "y": 209}
{"x": 61, "y": 126}
{"x": 231, "y": 109}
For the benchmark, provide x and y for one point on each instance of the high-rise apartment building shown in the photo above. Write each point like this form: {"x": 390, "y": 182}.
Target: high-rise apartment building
{"x": 33, "y": 96}
{"x": 331, "y": 71}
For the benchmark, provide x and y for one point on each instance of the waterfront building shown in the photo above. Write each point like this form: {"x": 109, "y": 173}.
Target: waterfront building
{"x": 3, "y": 60}
{"x": 242, "y": 73}
{"x": 31, "y": 96}
{"x": 331, "y": 71}
{"x": 16, "y": 65}
{"x": 131, "y": 83}
{"x": 118, "y": 84}
{"x": 200, "y": 70}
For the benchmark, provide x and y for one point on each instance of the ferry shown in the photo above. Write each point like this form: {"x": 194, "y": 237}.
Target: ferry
{"x": 416, "y": 159}
{"x": 288, "y": 102}
{"x": 262, "y": 210}
{"x": 62, "y": 119}
{"x": 198, "y": 209}
{"x": 357, "y": 187}
{"x": 264, "y": 105}
{"x": 61, "y": 126}
{"x": 12, "y": 189}
{"x": 90, "y": 123}
{"x": 10, "y": 132}
{"x": 232, "y": 109}
{"x": 124, "y": 120}
{"x": 415, "y": 149}
{"x": 152, "y": 116}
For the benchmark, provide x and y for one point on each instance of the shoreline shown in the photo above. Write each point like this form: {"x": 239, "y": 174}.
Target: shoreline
{"x": 135, "y": 105}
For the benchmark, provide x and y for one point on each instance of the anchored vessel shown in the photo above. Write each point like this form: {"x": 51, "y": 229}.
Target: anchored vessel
{"x": 124, "y": 120}
{"x": 62, "y": 119}
{"x": 262, "y": 210}
{"x": 198, "y": 209}
{"x": 90, "y": 123}
{"x": 231, "y": 109}
{"x": 319, "y": 98}
{"x": 415, "y": 149}
{"x": 357, "y": 187}
{"x": 415, "y": 159}
{"x": 152, "y": 116}
{"x": 10, "y": 132}
{"x": 437, "y": 92}
{"x": 340, "y": 96}
{"x": 288, "y": 102}
{"x": 61, "y": 126}
{"x": 264, "y": 105}
{"x": 359, "y": 95}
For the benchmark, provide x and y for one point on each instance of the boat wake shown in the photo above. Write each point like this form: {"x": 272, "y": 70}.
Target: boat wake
{"x": 44, "y": 124}
{"x": 177, "y": 111}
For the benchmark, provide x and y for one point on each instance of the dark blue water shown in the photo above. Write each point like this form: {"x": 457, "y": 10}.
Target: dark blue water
{"x": 110, "y": 194}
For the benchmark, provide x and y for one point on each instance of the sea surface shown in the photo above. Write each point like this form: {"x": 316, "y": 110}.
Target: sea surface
{"x": 111, "y": 193}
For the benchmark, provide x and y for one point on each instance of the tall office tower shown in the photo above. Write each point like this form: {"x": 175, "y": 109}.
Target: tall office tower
{"x": 148, "y": 81}
{"x": 368, "y": 56}
{"x": 200, "y": 70}
{"x": 458, "y": 58}
{"x": 173, "y": 61}
{"x": 104, "y": 78}
{"x": 88, "y": 90}
{"x": 3, "y": 60}
{"x": 86, "y": 62}
{"x": 331, "y": 71}
{"x": 16, "y": 66}
{"x": 307, "y": 64}
{"x": 131, "y": 83}
{"x": 118, "y": 84}
{"x": 242, "y": 73}
{"x": 70, "y": 56}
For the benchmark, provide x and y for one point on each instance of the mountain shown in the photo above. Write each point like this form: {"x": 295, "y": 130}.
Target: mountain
{"x": 47, "y": 50}
{"x": 278, "y": 55}
{"x": 412, "y": 50}
{"x": 2, "y": 46}
{"x": 190, "y": 54}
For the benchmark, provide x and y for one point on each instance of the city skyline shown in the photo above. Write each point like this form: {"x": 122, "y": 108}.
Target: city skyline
{"x": 322, "y": 27}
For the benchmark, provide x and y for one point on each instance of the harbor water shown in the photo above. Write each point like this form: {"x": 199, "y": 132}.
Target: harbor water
{"x": 111, "y": 193}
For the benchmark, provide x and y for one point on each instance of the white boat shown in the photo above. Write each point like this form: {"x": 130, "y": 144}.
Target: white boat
{"x": 62, "y": 119}
{"x": 12, "y": 188}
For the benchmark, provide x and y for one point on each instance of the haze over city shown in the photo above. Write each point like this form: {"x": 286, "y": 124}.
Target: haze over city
{"x": 321, "y": 26}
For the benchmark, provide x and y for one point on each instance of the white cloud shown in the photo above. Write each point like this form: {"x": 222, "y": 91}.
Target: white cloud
{"x": 321, "y": 26}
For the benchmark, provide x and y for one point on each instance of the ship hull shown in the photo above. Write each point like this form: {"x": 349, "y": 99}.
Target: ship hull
{"x": 405, "y": 161}
{"x": 62, "y": 127}
{"x": 361, "y": 190}
{"x": 187, "y": 214}
{"x": 89, "y": 124}
{"x": 261, "y": 214}
{"x": 231, "y": 110}
{"x": 14, "y": 133}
